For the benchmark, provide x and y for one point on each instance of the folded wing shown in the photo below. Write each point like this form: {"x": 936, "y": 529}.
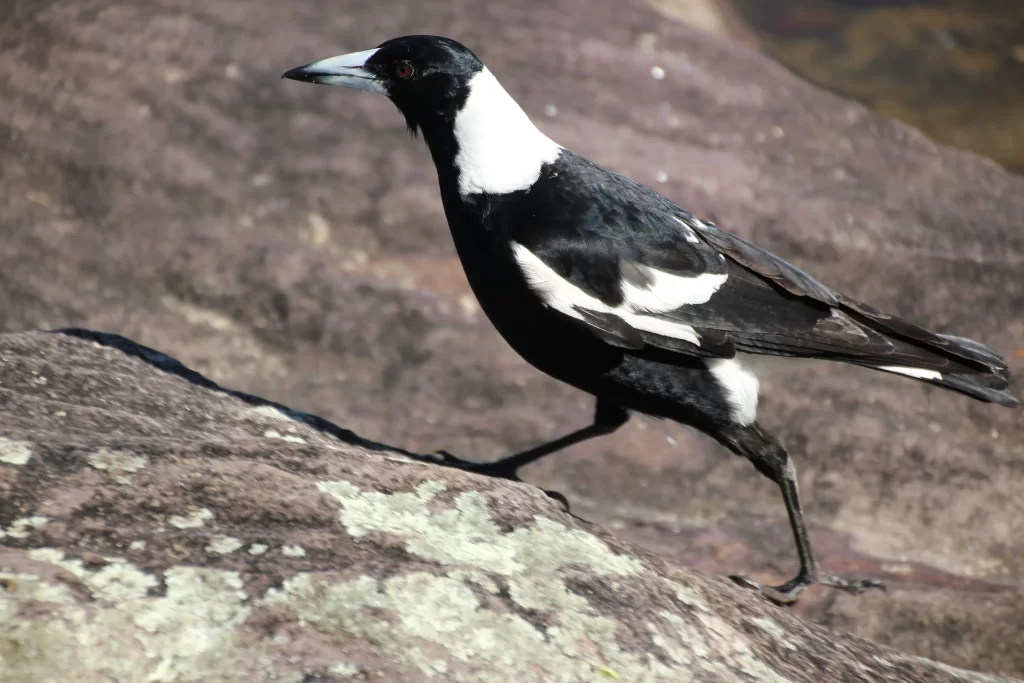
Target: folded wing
{"x": 698, "y": 290}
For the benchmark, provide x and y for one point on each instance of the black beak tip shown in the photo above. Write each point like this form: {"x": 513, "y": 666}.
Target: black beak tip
{"x": 300, "y": 73}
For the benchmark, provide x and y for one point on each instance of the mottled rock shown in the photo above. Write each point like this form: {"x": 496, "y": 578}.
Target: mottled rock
{"x": 246, "y": 541}
{"x": 160, "y": 181}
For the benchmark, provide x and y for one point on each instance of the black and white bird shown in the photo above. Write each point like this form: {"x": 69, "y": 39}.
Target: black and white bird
{"x": 604, "y": 284}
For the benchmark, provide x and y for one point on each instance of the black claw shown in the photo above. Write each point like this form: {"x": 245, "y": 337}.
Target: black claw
{"x": 744, "y": 582}
{"x": 499, "y": 469}
{"x": 560, "y": 498}
{"x": 789, "y": 592}
{"x": 786, "y": 594}
{"x": 448, "y": 457}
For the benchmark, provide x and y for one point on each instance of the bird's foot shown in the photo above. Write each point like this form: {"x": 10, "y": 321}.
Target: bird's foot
{"x": 786, "y": 594}
{"x": 505, "y": 468}
{"x": 500, "y": 469}
{"x": 789, "y": 592}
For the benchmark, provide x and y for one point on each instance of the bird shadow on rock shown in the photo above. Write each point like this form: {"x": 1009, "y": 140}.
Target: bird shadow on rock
{"x": 170, "y": 365}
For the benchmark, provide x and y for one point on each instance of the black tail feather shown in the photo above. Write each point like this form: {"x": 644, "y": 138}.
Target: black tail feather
{"x": 987, "y": 377}
{"x": 965, "y": 355}
{"x": 971, "y": 386}
{"x": 991, "y": 388}
{"x": 996, "y": 364}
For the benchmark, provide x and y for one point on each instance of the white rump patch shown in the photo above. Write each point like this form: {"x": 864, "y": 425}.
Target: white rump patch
{"x": 667, "y": 293}
{"x": 917, "y": 373}
{"x": 740, "y": 383}
{"x": 500, "y": 150}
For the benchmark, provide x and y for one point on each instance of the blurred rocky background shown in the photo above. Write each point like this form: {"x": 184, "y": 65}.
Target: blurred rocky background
{"x": 952, "y": 68}
{"x": 159, "y": 181}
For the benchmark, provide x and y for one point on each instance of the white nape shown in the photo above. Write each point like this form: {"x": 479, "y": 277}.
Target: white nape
{"x": 669, "y": 292}
{"x": 500, "y": 150}
{"x": 917, "y": 373}
{"x": 736, "y": 377}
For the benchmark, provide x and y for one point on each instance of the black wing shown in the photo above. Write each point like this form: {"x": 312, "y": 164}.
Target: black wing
{"x": 868, "y": 335}
{"x": 736, "y": 297}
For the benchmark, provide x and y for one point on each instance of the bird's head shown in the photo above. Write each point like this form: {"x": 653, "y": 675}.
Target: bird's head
{"x": 476, "y": 132}
{"x": 427, "y": 77}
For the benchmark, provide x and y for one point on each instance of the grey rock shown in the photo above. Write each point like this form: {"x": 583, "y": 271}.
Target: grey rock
{"x": 156, "y": 526}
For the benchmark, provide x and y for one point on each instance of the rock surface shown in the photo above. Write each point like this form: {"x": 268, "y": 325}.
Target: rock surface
{"x": 156, "y": 527}
{"x": 160, "y": 181}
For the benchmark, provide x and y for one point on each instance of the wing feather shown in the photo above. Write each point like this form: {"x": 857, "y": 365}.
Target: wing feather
{"x": 639, "y": 272}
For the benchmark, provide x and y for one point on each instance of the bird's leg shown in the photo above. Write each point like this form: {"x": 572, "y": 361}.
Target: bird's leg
{"x": 772, "y": 460}
{"x": 607, "y": 418}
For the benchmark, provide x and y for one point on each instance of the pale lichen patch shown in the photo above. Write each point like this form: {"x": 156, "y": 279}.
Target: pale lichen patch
{"x": 258, "y": 548}
{"x": 223, "y": 545}
{"x": 192, "y": 520}
{"x": 466, "y": 535}
{"x": 293, "y": 551}
{"x": 772, "y": 628}
{"x": 961, "y": 675}
{"x": 21, "y": 528}
{"x": 190, "y": 634}
{"x": 484, "y": 645}
{"x": 31, "y": 587}
{"x": 119, "y": 581}
{"x": 579, "y": 641}
{"x": 55, "y": 557}
{"x": 118, "y": 461}
{"x": 137, "y": 545}
{"x": 343, "y": 669}
{"x": 15, "y": 452}
{"x": 271, "y": 412}
{"x": 688, "y": 596}
{"x": 711, "y": 645}
{"x": 185, "y": 632}
{"x": 290, "y": 438}
{"x": 685, "y": 644}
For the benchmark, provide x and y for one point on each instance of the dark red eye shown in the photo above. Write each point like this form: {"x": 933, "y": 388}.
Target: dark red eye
{"x": 403, "y": 70}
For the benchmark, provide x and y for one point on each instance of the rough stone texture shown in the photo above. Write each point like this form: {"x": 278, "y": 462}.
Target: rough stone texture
{"x": 156, "y": 527}
{"x": 160, "y": 181}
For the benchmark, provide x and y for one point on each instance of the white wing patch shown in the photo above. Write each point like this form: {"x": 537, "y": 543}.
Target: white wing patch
{"x": 688, "y": 232}
{"x": 740, "y": 384}
{"x": 667, "y": 292}
{"x": 917, "y": 373}
{"x": 500, "y": 150}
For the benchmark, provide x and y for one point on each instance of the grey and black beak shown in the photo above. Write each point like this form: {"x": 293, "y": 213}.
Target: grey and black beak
{"x": 347, "y": 70}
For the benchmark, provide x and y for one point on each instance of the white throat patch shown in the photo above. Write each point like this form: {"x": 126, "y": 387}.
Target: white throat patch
{"x": 500, "y": 150}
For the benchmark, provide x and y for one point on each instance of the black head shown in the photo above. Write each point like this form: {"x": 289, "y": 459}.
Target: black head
{"x": 426, "y": 77}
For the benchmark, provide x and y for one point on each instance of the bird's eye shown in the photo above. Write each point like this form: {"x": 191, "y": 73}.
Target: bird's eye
{"x": 403, "y": 70}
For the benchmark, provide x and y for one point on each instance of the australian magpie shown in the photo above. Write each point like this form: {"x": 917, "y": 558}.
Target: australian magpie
{"x": 604, "y": 284}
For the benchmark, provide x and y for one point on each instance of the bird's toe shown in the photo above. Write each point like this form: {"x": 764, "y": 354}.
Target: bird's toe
{"x": 789, "y": 592}
{"x": 786, "y": 594}
{"x": 555, "y": 495}
{"x": 499, "y": 469}
{"x": 854, "y": 586}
